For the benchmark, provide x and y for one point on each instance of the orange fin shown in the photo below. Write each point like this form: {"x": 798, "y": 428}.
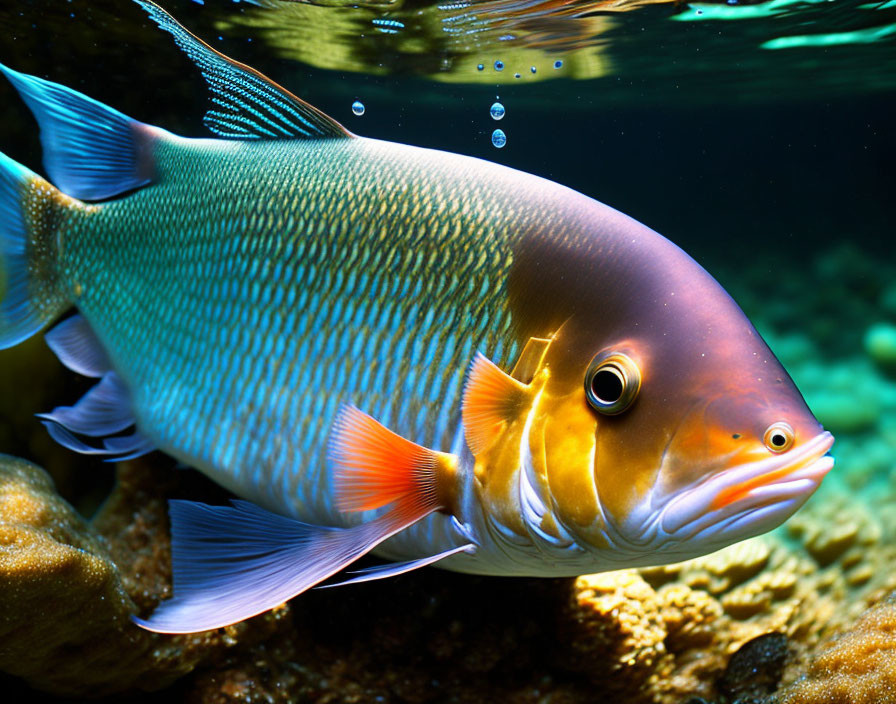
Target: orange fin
{"x": 491, "y": 399}
{"x": 375, "y": 467}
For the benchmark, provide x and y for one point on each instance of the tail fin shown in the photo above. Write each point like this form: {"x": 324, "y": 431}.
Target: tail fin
{"x": 30, "y": 293}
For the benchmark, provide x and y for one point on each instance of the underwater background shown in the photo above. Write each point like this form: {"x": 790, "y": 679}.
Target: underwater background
{"x": 759, "y": 137}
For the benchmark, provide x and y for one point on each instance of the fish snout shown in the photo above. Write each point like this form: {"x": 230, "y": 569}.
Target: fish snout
{"x": 749, "y": 498}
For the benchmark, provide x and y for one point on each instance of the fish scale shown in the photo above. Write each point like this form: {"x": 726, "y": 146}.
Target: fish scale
{"x": 379, "y": 302}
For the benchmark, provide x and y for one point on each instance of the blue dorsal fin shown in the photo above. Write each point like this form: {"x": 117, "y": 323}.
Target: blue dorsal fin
{"x": 248, "y": 105}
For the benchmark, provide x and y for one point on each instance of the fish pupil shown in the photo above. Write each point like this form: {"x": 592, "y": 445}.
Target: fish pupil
{"x": 607, "y": 386}
{"x": 778, "y": 440}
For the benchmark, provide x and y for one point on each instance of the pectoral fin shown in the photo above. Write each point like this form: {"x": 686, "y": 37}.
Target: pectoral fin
{"x": 375, "y": 467}
{"x": 491, "y": 399}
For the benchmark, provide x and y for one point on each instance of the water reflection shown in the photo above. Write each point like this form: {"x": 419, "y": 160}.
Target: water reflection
{"x": 461, "y": 41}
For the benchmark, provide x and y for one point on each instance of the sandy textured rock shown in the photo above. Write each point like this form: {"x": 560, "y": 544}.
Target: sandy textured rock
{"x": 64, "y": 603}
{"x": 857, "y": 667}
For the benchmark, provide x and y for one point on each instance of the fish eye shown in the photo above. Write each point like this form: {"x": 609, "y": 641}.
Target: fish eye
{"x": 778, "y": 437}
{"x": 612, "y": 383}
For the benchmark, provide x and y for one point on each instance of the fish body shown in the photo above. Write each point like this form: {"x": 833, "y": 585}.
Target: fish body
{"x": 386, "y": 348}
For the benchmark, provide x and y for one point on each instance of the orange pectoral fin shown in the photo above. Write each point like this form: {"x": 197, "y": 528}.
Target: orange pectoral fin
{"x": 376, "y": 467}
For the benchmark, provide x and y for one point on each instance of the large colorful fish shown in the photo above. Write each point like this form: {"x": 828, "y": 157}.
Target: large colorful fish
{"x": 385, "y": 348}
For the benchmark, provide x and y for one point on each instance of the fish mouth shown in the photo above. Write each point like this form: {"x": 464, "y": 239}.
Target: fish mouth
{"x": 751, "y": 498}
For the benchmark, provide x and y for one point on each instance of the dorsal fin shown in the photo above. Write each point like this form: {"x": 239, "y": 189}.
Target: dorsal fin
{"x": 248, "y": 105}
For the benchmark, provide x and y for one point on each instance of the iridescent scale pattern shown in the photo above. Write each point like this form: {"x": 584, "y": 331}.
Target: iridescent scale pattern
{"x": 257, "y": 286}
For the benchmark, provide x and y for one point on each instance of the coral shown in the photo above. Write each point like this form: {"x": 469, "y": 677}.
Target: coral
{"x": 618, "y": 631}
{"x": 880, "y": 344}
{"x": 59, "y": 591}
{"x": 857, "y": 667}
{"x": 64, "y": 607}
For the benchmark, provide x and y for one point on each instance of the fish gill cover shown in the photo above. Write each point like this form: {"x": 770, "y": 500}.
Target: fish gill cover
{"x": 786, "y": 199}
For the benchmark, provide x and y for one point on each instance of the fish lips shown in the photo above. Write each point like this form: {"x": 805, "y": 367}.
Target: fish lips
{"x": 750, "y": 498}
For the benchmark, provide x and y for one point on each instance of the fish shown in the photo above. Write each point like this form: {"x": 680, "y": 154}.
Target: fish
{"x": 383, "y": 349}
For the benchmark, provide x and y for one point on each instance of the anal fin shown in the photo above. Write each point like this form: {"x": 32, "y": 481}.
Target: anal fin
{"x": 234, "y": 562}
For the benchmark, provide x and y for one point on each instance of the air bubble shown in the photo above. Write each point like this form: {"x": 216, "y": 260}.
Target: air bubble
{"x": 496, "y": 111}
{"x": 479, "y": 67}
{"x": 499, "y": 65}
{"x": 499, "y": 139}
{"x": 533, "y": 70}
{"x": 558, "y": 63}
{"x": 358, "y": 108}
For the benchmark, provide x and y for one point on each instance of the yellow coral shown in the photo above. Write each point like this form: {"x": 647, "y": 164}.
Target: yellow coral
{"x": 618, "y": 630}
{"x": 58, "y": 589}
{"x": 64, "y": 614}
{"x": 858, "y": 667}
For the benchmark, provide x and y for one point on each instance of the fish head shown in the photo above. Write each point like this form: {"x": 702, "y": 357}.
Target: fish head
{"x": 659, "y": 447}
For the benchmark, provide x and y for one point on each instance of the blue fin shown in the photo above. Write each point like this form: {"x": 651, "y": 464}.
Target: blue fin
{"x": 233, "y": 562}
{"x": 29, "y": 293}
{"x": 91, "y": 151}
{"x": 248, "y": 105}
{"x": 102, "y": 412}
{"x": 76, "y": 346}
{"x": 105, "y": 410}
{"x": 393, "y": 569}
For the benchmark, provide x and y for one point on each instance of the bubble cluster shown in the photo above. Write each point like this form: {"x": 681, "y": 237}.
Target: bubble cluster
{"x": 499, "y": 139}
{"x": 358, "y": 108}
{"x": 496, "y": 111}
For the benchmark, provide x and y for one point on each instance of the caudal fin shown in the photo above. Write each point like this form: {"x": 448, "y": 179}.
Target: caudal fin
{"x": 30, "y": 294}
